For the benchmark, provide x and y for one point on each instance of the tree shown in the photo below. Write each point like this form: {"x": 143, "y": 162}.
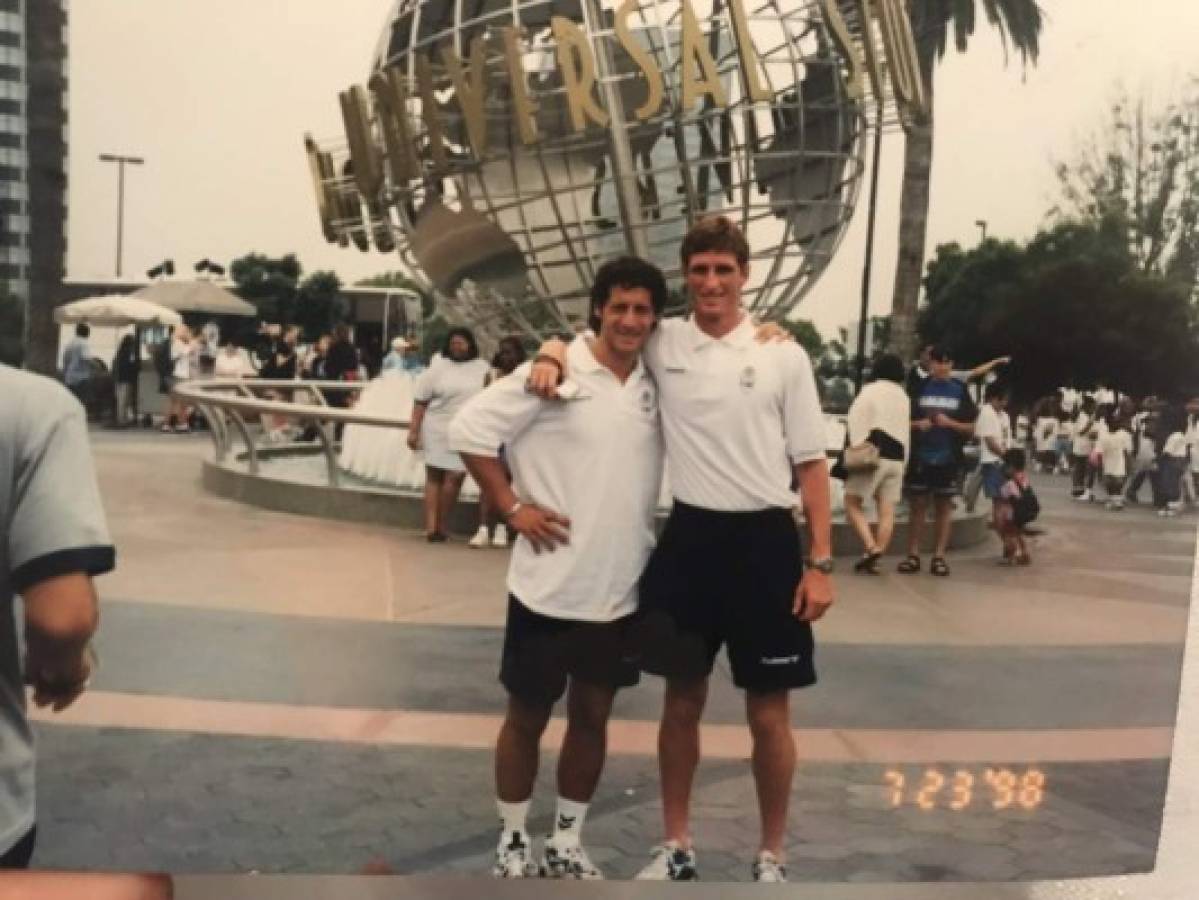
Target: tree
{"x": 1019, "y": 23}
{"x": 319, "y": 304}
{"x": 1071, "y": 306}
{"x": 271, "y": 284}
{"x": 807, "y": 336}
{"x": 1140, "y": 175}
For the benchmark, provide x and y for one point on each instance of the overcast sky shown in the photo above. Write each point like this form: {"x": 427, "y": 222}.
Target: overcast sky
{"x": 217, "y": 94}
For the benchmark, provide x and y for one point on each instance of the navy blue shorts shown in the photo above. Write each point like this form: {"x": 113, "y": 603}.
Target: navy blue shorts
{"x": 725, "y": 579}
{"x": 938, "y": 480}
{"x": 542, "y": 652}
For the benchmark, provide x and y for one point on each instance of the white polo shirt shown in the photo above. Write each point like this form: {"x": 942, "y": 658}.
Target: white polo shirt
{"x": 736, "y": 413}
{"x": 596, "y": 459}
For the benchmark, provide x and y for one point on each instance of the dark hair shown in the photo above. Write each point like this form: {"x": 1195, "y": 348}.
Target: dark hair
{"x": 513, "y": 344}
{"x": 888, "y": 367}
{"x": 1015, "y": 459}
{"x": 626, "y": 272}
{"x": 715, "y": 234}
{"x": 467, "y": 335}
{"x": 940, "y": 353}
{"x": 995, "y": 389}
{"x": 82, "y": 329}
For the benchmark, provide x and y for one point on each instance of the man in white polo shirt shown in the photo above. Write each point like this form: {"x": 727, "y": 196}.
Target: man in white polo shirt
{"x": 743, "y": 424}
{"x": 586, "y": 474}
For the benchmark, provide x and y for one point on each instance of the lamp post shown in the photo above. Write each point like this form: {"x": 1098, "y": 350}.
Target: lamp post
{"x": 121, "y": 162}
{"x": 982, "y": 224}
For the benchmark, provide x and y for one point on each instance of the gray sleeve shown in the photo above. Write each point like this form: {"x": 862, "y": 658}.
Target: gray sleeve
{"x": 57, "y": 524}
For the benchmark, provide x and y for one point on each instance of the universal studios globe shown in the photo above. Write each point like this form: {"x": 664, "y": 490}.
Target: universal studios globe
{"x": 531, "y": 140}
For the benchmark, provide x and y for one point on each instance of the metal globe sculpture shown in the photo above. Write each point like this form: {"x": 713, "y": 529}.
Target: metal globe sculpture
{"x": 506, "y": 148}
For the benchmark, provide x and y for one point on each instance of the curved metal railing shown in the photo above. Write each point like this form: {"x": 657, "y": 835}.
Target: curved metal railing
{"x": 227, "y": 402}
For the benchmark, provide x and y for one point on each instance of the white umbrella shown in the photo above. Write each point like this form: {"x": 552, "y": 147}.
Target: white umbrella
{"x": 197, "y": 296}
{"x": 115, "y": 309}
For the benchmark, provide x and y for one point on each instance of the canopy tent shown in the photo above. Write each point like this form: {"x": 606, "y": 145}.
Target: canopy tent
{"x": 196, "y": 296}
{"x": 115, "y": 310}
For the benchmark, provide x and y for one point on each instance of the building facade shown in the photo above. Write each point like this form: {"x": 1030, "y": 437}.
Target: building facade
{"x": 33, "y": 165}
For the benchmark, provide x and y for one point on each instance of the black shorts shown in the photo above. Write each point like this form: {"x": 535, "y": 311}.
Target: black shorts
{"x": 725, "y": 579}
{"x": 940, "y": 481}
{"x": 541, "y": 652}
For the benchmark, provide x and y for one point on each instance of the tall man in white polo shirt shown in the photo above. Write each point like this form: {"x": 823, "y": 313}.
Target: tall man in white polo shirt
{"x": 586, "y": 474}
{"x": 743, "y": 424}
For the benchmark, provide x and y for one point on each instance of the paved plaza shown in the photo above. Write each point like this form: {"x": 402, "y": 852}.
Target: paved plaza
{"x": 289, "y": 695}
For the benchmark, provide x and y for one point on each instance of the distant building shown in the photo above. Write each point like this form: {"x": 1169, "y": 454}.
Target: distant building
{"x": 33, "y": 163}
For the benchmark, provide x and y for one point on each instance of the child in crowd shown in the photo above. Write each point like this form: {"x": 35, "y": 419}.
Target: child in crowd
{"x": 1062, "y": 440}
{"x": 1115, "y": 453}
{"x": 1082, "y": 445}
{"x": 1018, "y": 506}
{"x": 1171, "y": 463}
{"x": 1045, "y": 439}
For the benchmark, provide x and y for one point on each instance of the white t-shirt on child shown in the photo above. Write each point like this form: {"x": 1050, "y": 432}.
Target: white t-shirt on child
{"x": 1113, "y": 445}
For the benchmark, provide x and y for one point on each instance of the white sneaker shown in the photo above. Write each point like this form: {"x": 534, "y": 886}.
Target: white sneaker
{"x": 768, "y": 870}
{"x": 480, "y": 539}
{"x": 500, "y": 538}
{"x": 567, "y": 859}
{"x": 514, "y": 857}
{"x": 670, "y": 863}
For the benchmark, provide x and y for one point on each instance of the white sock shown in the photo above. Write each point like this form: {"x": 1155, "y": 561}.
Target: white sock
{"x": 514, "y": 816}
{"x": 568, "y": 823}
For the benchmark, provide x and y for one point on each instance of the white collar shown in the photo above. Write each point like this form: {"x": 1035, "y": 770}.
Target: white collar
{"x": 582, "y": 359}
{"x": 741, "y": 337}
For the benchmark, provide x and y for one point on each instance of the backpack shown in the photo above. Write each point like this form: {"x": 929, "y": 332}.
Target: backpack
{"x": 1025, "y": 508}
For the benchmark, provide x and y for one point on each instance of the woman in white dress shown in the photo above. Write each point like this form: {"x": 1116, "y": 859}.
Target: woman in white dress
{"x": 443, "y": 389}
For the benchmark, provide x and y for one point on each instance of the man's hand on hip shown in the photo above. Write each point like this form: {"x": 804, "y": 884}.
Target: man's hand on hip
{"x": 543, "y": 528}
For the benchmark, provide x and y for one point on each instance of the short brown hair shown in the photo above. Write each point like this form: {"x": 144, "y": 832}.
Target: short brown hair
{"x": 715, "y": 234}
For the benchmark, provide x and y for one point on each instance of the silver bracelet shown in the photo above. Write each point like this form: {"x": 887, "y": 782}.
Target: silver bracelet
{"x": 516, "y": 507}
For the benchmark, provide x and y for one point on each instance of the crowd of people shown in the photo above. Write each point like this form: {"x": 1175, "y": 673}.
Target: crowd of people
{"x": 1111, "y": 444}
{"x": 568, "y": 450}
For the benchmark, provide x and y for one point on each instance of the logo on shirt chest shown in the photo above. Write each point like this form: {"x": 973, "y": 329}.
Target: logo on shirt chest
{"x": 749, "y": 377}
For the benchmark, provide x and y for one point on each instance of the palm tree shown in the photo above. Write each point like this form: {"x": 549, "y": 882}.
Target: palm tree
{"x": 1019, "y": 24}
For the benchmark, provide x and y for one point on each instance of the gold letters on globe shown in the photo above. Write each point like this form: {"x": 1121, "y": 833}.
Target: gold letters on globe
{"x": 885, "y": 54}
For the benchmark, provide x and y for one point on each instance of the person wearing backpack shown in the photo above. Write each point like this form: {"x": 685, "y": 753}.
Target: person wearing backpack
{"x": 1017, "y": 507}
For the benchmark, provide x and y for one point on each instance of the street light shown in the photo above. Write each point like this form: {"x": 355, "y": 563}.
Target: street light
{"x": 982, "y": 223}
{"x": 121, "y": 162}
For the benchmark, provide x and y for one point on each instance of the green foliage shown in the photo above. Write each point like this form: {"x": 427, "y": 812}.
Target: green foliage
{"x": 319, "y": 305}
{"x": 12, "y": 330}
{"x": 1070, "y": 306}
{"x": 271, "y": 284}
{"x": 1019, "y": 23}
{"x": 275, "y": 287}
{"x": 1139, "y": 176}
{"x": 806, "y": 335}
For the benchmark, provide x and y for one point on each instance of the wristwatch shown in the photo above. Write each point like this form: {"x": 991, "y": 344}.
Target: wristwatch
{"x": 824, "y": 565}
